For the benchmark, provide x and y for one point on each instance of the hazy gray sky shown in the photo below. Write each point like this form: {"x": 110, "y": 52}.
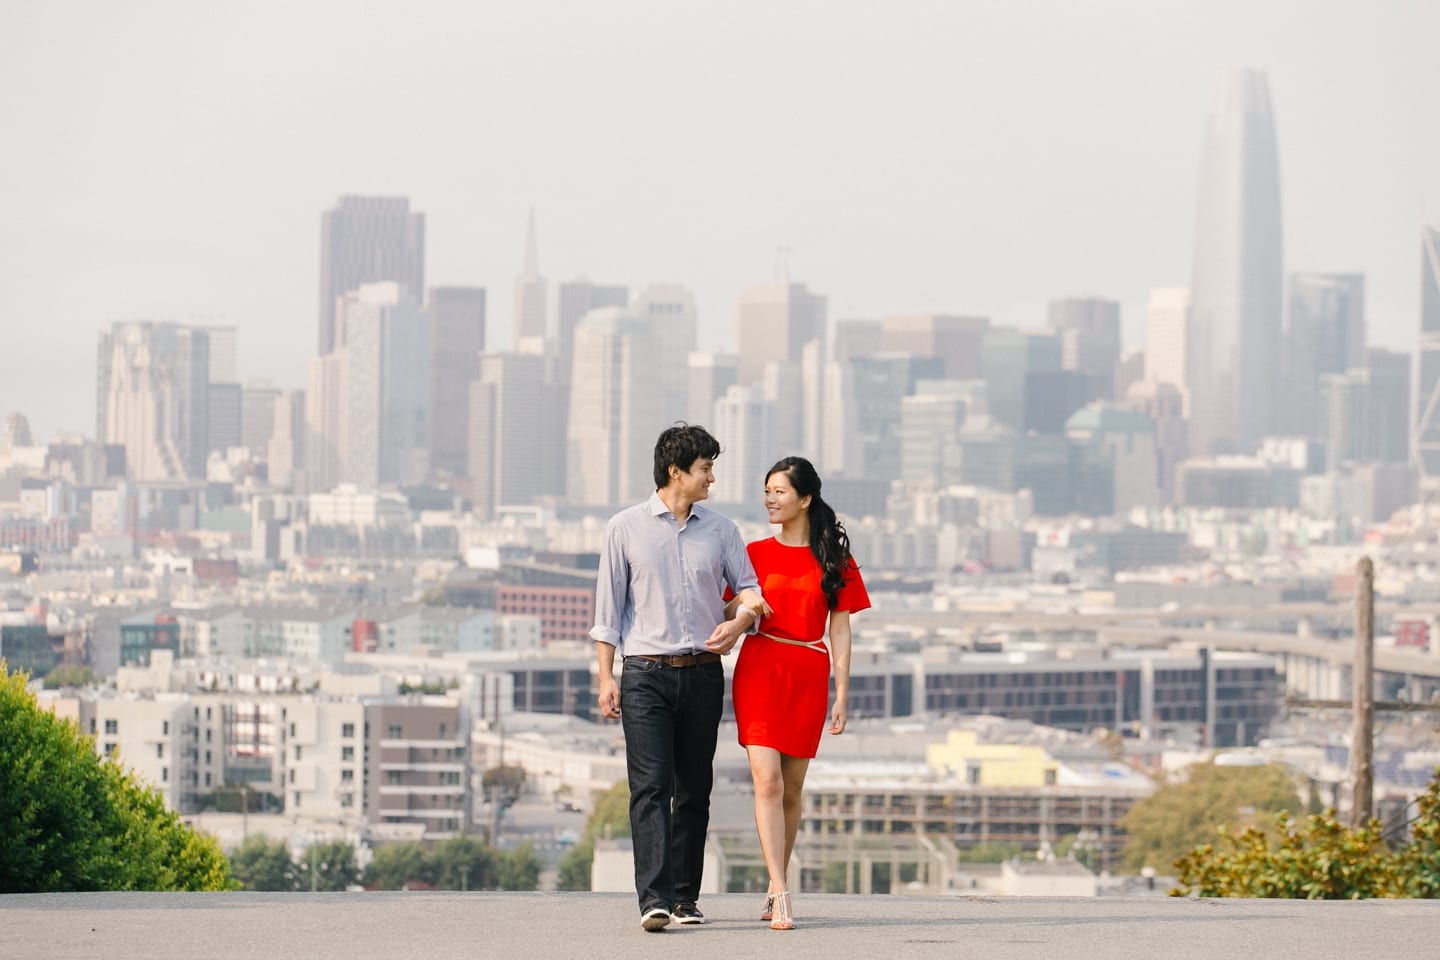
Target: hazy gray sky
{"x": 170, "y": 160}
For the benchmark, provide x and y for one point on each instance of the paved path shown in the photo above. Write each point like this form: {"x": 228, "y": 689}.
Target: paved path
{"x": 421, "y": 926}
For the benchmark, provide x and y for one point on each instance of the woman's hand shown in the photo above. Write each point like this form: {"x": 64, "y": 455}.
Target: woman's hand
{"x": 837, "y": 718}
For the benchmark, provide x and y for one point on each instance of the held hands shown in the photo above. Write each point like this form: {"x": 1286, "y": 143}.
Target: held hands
{"x": 726, "y": 635}
{"x": 753, "y": 603}
{"x": 746, "y": 609}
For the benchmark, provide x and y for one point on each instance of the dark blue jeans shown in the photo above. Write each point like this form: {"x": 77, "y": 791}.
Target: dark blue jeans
{"x": 670, "y": 716}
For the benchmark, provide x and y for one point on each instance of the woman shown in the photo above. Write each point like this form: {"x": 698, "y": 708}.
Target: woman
{"x": 781, "y": 685}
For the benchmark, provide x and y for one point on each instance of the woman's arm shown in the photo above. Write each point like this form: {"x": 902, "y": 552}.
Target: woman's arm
{"x": 840, "y": 664}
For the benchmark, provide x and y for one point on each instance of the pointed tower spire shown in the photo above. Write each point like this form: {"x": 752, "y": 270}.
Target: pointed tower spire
{"x": 532, "y": 252}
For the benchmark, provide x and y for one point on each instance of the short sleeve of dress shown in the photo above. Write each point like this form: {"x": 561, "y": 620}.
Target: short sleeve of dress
{"x": 853, "y": 595}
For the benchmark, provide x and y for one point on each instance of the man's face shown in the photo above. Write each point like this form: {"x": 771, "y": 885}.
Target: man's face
{"x": 694, "y": 484}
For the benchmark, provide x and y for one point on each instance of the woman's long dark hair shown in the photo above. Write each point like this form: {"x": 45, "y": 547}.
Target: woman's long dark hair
{"x": 828, "y": 540}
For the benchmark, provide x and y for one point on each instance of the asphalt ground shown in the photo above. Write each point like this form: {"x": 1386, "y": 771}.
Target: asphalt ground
{"x": 420, "y": 926}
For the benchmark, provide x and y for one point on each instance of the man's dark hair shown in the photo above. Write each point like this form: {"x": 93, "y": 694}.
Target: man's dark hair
{"x": 680, "y": 446}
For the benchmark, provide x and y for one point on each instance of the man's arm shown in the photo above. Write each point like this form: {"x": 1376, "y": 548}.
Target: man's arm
{"x": 612, "y": 587}
{"x": 609, "y": 689}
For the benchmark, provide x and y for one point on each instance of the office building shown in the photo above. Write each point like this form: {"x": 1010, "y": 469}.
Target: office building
{"x": 153, "y": 398}
{"x": 710, "y": 376}
{"x": 457, "y": 336}
{"x": 1012, "y": 358}
{"x": 1325, "y": 336}
{"x": 511, "y": 424}
{"x": 614, "y": 418}
{"x": 1234, "y": 336}
{"x": 367, "y": 240}
{"x": 1167, "y": 324}
{"x": 1089, "y": 330}
{"x": 1426, "y": 432}
{"x": 386, "y": 350}
{"x": 773, "y": 322}
{"x": 743, "y": 423}
{"x": 530, "y": 311}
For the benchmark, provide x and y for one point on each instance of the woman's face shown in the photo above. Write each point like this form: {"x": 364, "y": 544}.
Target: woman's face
{"x": 782, "y": 503}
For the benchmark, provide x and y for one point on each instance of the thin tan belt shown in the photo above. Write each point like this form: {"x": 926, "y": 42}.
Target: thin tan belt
{"x": 816, "y": 645}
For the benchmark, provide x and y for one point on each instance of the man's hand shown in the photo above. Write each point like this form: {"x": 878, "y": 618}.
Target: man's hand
{"x": 727, "y": 634}
{"x": 609, "y": 697}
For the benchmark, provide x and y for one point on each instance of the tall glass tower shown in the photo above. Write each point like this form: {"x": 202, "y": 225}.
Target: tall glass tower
{"x": 1233, "y": 342}
{"x": 1426, "y": 436}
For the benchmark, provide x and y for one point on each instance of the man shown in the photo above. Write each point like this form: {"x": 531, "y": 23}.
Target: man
{"x": 663, "y": 570}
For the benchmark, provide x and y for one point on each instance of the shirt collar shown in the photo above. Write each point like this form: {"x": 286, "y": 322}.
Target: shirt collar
{"x": 657, "y": 508}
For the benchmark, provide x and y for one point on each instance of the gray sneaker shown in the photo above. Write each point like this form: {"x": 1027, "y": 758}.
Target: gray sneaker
{"x": 655, "y": 919}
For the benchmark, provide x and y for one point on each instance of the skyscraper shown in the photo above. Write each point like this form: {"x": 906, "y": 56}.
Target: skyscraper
{"x": 1233, "y": 349}
{"x": 457, "y": 335}
{"x": 510, "y": 425}
{"x": 614, "y": 419}
{"x": 742, "y": 425}
{"x": 572, "y": 301}
{"x": 1089, "y": 329}
{"x": 529, "y": 305}
{"x": 710, "y": 375}
{"x": 367, "y": 240}
{"x": 773, "y": 322}
{"x": 387, "y": 393}
{"x": 1427, "y": 378}
{"x": 1167, "y": 325}
{"x": 1325, "y": 335}
{"x": 152, "y": 394}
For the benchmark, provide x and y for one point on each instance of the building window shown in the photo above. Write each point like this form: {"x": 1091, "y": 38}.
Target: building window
{"x": 292, "y": 730}
{"x": 297, "y": 751}
{"x": 347, "y": 776}
{"x": 442, "y": 732}
{"x": 347, "y": 730}
{"x": 396, "y": 731}
{"x": 392, "y": 777}
{"x": 159, "y": 751}
{"x": 207, "y": 779}
{"x": 207, "y": 734}
{"x": 347, "y": 754}
{"x": 164, "y": 774}
{"x": 164, "y": 728}
{"x": 292, "y": 775}
{"x": 112, "y": 726}
{"x": 109, "y": 749}
{"x": 207, "y": 758}
{"x": 296, "y": 797}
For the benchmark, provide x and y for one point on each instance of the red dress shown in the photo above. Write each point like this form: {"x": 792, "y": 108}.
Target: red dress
{"x": 782, "y": 691}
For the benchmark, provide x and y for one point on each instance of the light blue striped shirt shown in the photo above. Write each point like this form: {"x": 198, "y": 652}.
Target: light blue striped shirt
{"x": 660, "y": 585}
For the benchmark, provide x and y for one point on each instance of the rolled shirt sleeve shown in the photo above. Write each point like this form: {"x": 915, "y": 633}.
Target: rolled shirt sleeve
{"x": 612, "y": 587}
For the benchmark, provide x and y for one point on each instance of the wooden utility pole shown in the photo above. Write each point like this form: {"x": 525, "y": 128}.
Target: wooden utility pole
{"x": 1362, "y": 772}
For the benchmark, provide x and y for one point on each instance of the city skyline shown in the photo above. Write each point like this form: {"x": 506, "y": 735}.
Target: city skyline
{"x": 905, "y": 186}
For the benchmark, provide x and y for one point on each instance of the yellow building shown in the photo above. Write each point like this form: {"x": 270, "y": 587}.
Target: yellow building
{"x": 962, "y": 756}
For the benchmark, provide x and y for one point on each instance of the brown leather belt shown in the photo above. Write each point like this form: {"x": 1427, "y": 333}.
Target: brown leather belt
{"x": 678, "y": 660}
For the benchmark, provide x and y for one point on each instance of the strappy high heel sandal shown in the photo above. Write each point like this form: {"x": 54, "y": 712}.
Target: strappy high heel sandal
{"x": 782, "y": 918}
{"x": 768, "y": 910}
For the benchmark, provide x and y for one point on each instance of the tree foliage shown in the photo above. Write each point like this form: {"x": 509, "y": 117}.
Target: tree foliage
{"x": 71, "y": 820}
{"x": 264, "y": 864}
{"x": 328, "y": 866}
{"x": 1320, "y": 860}
{"x": 1183, "y": 813}
{"x": 69, "y": 675}
{"x": 459, "y": 863}
{"x": 610, "y": 818}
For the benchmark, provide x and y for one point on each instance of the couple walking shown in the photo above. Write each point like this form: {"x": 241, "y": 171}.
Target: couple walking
{"x": 677, "y": 590}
